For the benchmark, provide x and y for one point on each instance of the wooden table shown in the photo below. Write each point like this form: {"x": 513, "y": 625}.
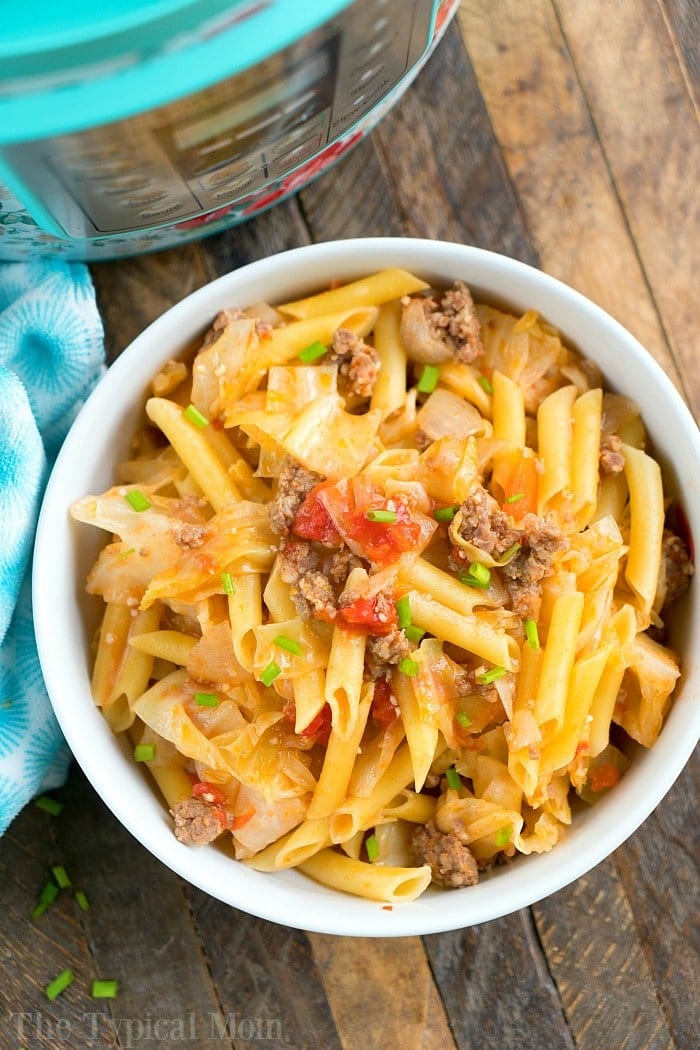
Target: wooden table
{"x": 564, "y": 134}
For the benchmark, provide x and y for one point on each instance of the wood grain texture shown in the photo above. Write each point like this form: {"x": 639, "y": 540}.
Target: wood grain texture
{"x": 496, "y": 986}
{"x": 544, "y": 128}
{"x": 683, "y": 19}
{"x": 266, "y": 975}
{"x": 381, "y": 993}
{"x": 589, "y": 935}
{"x": 651, "y": 140}
{"x": 659, "y": 870}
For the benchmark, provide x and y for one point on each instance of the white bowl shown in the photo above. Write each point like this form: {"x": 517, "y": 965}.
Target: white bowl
{"x": 65, "y": 617}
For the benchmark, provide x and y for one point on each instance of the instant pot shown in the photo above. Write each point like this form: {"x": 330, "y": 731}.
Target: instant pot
{"x": 133, "y": 125}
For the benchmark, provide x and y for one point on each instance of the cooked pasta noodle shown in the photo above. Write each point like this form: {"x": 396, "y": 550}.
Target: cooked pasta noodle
{"x": 380, "y": 608}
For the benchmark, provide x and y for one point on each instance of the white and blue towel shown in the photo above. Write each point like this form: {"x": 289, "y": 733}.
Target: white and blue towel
{"x": 51, "y": 355}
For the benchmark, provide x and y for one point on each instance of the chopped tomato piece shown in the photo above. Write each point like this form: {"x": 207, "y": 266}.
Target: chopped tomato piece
{"x": 385, "y": 709}
{"x": 516, "y": 475}
{"x": 374, "y": 615}
{"x": 319, "y": 728}
{"x": 380, "y": 542}
{"x": 603, "y": 777}
{"x": 208, "y": 793}
{"x": 313, "y": 522}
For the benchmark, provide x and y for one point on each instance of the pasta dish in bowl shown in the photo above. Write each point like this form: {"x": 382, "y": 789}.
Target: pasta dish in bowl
{"x": 386, "y": 591}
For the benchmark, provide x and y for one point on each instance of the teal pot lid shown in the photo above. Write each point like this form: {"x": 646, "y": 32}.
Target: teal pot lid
{"x": 67, "y": 65}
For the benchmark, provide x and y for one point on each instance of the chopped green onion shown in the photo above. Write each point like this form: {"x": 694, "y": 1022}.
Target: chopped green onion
{"x": 445, "y": 513}
{"x": 137, "y": 501}
{"x": 381, "y": 515}
{"x": 453, "y": 780}
{"x": 312, "y": 352}
{"x": 61, "y": 876}
{"x": 39, "y": 910}
{"x": 409, "y": 667}
{"x": 485, "y": 384}
{"x": 481, "y": 573}
{"x": 372, "y": 847}
{"x": 206, "y": 699}
{"x": 49, "y": 893}
{"x": 463, "y": 719}
{"x": 288, "y": 644}
{"x": 59, "y": 984}
{"x": 104, "y": 989}
{"x": 128, "y": 552}
{"x": 271, "y": 672}
{"x": 508, "y": 554}
{"x": 145, "y": 752}
{"x": 428, "y": 380}
{"x": 81, "y": 898}
{"x": 470, "y": 580}
{"x": 49, "y": 805}
{"x": 403, "y": 611}
{"x": 504, "y": 835}
{"x": 227, "y": 583}
{"x": 515, "y": 498}
{"x": 533, "y": 637}
{"x": 195, "y": 417}
{"x": 490, "y": 676}
{"x": 414, "y": 633}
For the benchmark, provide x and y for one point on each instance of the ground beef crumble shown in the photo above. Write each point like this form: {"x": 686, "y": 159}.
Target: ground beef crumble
{"x": 195, "y": 822}
{"x": 677, "y": 568}
{"x": 451, "y": 862}
{"x": 316, "y": 580}
{"x": 188, "y": 536}
{"x": 295, "y": 483}
{"x": 358, "y": 363}
{"x": 611, "y": 459}
{"x": 449, "y": 320}
{"x": 226, "y": 317}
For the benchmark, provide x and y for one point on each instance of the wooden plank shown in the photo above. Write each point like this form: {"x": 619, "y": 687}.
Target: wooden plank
{"x": 683, "y": 20}
{"x": 266, "y": 979}
{"x": 497, "y": 990}
{"x": 139, "y": 927}
{"x": 381, "y": 991}
{"x": 34, "y": 951}
{"x": 131, "y": 293}
{"x": 649, "y": 131}
{"x": 659, "y": 870}
{"x": 554, "y": 157}
{"x": 443, "y": 159}
{"x": 354, "y": 199}
{"x": 589, "y": 934}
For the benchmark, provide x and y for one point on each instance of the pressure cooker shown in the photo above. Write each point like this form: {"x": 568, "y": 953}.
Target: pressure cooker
{"x": 133, "y": 125}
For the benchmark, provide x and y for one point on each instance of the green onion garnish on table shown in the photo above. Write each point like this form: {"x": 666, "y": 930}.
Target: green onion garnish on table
{"x": 312, "y": 352}
{"x": 491, "y": 675}
{"x": 428, "y": 380}
{"x": 206, "y": 699}
{"x": 271, "y": 672}
{"x": 144, "y": 752}
{"x": 61, "y": 876}
{"x": 49, "y": 805}
{"x": 372, "y": 847}
{"x": 288, "y": 644}
{"x": 195, "y": 417}
{"x": 59, "y": 984}
{"x": 81, "y": 898}
{"x": 104, "y": 989}
{"x": 453, "y": 780}
{"x": 388, "y": 516}
{"x": 137, "y": 501}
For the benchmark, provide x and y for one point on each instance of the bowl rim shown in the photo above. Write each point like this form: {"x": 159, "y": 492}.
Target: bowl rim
{"x": 534, "y": 877}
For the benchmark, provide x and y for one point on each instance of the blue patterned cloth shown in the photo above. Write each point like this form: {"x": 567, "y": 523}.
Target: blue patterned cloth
{"x": 51, "y": 355}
